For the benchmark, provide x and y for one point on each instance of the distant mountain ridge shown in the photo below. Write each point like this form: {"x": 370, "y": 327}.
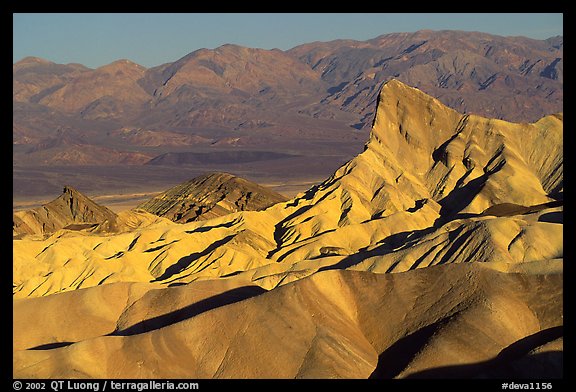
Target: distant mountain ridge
{"x": 512, "y": 78}
{"x": 455, "y": 60}
{"x": 317, "y": 99}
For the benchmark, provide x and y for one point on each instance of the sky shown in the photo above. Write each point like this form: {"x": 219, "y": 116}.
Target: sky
{"x": 152, "y": 39}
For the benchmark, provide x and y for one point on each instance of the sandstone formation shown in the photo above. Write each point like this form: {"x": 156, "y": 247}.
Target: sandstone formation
{"x": 452, "y": 321}
{"x": 436, "y": 252}
{"x": 70, "y": 210}
{"x": 210, "y": 196}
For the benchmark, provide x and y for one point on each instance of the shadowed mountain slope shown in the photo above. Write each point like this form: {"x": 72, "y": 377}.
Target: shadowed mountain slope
{"x": 334, "y": 324}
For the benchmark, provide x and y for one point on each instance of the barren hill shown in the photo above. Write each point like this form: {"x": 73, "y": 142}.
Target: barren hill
{"x": 209, "y": 196}
{"x": 458, "y": 321}
{"x": 71, "y": 208}
{"x": 437, "y": 251}
{"x": 35, "y": 77}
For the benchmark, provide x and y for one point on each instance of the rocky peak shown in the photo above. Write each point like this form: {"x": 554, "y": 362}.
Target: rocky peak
{"x": 209, "y": 196}
{"x": 70, "y": 208}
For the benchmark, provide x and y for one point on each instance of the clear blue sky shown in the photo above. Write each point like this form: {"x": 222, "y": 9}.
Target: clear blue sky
{"x": 153, "y": 39}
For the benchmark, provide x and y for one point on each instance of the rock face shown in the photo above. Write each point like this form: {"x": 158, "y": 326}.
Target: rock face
{"x": 70, "y": 210}
{"x": 436, "y": 252}
{"x": 210, "y": 196}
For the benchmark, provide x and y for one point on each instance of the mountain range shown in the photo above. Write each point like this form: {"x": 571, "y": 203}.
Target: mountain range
{"x": 316, "y": 101}
{"x": 436, "y": 252}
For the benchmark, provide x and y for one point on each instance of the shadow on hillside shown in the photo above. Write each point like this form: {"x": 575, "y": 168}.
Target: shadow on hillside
{"x": 51, "y": 346}
{"x": 186, "y": 261}
{"x": 512, "y": 361}
{"x": 204, "y": 229}
{"x": 541, "y": 366}
{"x": 392, "y": 361}
{"x": 192, "y": 310}
{"x": 552, "y": 217}
{"x": 390, "y": 244}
